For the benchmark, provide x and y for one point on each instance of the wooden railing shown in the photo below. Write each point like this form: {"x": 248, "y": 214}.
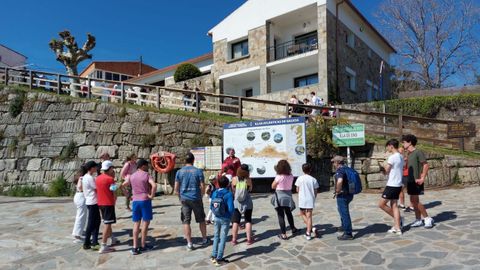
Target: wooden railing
{"x": 428, "y": 130}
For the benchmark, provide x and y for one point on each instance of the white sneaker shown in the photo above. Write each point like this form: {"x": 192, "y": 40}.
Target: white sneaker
{"x": 189, "y": 246}
{"x": 314, "y": 232}
{"x": 395, "y": 231}
{"x": 105, "y": 249}
{"x": 308, "y": 237}
{"x": 417, "y": 223}
{"x": 428, "y": 222}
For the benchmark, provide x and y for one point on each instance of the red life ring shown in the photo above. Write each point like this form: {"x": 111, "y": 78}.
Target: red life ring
{"x": 163, "y": 162}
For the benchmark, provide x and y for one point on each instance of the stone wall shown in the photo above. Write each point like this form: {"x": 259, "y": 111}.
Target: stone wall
{"x": 32, "y": 143}
{"x": 444, "y": 170}
{"x": 356, "y": 58}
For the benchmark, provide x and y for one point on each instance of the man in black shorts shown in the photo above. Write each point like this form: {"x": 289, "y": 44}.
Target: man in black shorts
{"x": 190, "y": 186}
{"x": 417, "y": 171}
{"x": 394, "y": 169}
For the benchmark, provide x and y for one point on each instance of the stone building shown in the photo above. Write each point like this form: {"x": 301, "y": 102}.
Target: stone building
{"x": 278, "y": 48}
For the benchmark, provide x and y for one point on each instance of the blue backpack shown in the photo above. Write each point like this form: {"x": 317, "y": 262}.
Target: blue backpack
{"x": 218, "y": 205}
{"x": 353, "y": 179}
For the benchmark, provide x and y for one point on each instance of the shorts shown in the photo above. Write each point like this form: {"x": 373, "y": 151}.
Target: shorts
{"x": 187, "y": 208}
{"x": 391, "y": 193}
{"x": 237, "y": 216}
{"x": 108, "y": 214}
{"x": 414, "y": 189}
{"x": 142, "y": 210}
{"x": 305, "y": 209}
{"x": 404, "y": 180}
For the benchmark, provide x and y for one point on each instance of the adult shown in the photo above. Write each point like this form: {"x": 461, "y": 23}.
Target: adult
{"x": 282, "y": 198}
{"x": 394, "y": 169}
{"x": 190, "y": 186}
{"x": 143, "y": 192}
{"x": 106, "y": 187}
{"x": 316, "y": 101}
{"x": 401, "y": 204}
{"x": 79, "y": 201}
{"x": 306, "y": 101}
{"x": 233, "y": 161}
{"x": 417, "y": 171}
{"x": 128, "y": 169}
{"x": 241, "y": 187}
{"x": 90, "y": 193}
{"x": 343, "y": 197}
{"x": 103, "y": 157}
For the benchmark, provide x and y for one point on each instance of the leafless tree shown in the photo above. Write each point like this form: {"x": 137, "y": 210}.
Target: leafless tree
{"x": 69, "y": 54}
{"x": 435, "y": 39}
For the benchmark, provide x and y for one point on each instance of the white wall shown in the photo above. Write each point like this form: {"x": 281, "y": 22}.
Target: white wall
{"x": 11, "y": 58}
{"x": 348, "y": 17}
{"x": 255, "y": 13}
{"x": 237, "y": 89}
{"x": 285, "y": 81}
{"x": 284, "y": 33}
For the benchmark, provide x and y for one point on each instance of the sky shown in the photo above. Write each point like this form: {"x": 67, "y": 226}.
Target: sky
{"x": 162, "y": 32}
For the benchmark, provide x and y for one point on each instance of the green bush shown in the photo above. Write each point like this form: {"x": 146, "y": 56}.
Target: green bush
{"x": 25, "y": 191}
{"x": 186, "y": 71}
{"x": 68, "y": 151}
{"x": 122, "y": 113}
{"x": 319, "y": 136}
{"x": 16, "y": 106}
{"x": 59, "y": 187}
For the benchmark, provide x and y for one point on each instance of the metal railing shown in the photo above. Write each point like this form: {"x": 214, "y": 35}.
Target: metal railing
{"x": 433, "y": 131}
{"x": 293, "y": 47}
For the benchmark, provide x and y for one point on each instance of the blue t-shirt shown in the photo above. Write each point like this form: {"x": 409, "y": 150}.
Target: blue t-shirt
{"x": 341, "y": 173}
{"x": 228, "y": 198}
{"x": 190, "y": 178}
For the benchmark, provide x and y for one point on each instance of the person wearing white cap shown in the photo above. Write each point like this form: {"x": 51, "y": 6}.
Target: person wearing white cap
{"x": 106, "y": 187}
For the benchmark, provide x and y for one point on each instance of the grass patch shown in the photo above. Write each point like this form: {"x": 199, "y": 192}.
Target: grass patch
{"x": 59, "y": 187}
{"x": 12, "y": 146}
{"x": 16, "y": 106}
{"x": 122, "y": 113}
{"x": 68, "y": 151}
{"x": 25, "y": 191}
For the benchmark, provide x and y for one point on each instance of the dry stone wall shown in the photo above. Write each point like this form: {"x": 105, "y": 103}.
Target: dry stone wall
{"x": 32, "y": 144}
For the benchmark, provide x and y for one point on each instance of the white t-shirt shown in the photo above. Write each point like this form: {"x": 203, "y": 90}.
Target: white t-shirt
{"x": 396, "y": 171}
{"x": 89, "y": 189}
{"x": 306, "y": 195}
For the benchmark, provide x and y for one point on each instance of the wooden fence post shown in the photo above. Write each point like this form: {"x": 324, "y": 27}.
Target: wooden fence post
{"x": 287, "y": 110}
{"x": 461, "y": 141}
{"x": 31, "y": 79}
{"x": 240, "y": 107}
{"x": 6, "y": 76}
{"x": 400, "y": 125}
{"x": 59, "y": 85}
{"x": 89, "y": 88}
{"x": 197, "y": 102}
{"x": 122, "y": 93}
{"x": 158, "y": 97}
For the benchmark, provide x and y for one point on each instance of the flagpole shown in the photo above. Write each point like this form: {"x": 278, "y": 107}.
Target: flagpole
{"x": 383, "y": 98}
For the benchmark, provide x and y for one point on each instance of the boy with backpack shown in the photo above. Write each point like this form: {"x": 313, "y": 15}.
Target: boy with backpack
{"x": 307, "y": 193}
{"x": 347, "y": 183}
{"x": 222, "y": 208}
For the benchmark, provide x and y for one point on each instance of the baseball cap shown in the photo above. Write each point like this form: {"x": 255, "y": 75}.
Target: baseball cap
{"x": 337, "y": 158}
{"x": 107, "y": 164}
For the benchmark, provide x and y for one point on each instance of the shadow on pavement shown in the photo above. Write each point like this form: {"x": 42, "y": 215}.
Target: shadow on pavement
{"x": 372, "y": 229}
{"x": 432, "y": 204}
{"x": 325, "y": 229}
{"x": 162, "y": 205}
{"x": 445, "y": 216}
{"x": 253, "y": 252}
{"x": 258, "y": 220}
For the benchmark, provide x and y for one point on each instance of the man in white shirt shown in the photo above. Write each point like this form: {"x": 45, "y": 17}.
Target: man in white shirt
{"x": 394, "y": 169}
{"x": 307, "y": 193}
{"x": 316, "y": 101}
{"x": 90, "y": 193}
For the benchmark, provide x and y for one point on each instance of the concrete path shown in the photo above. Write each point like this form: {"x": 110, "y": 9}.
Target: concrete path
{"x": 35, "y": 234}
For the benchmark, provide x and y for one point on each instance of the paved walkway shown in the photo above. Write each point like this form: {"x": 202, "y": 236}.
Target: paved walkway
{"x": 34, "y": 234}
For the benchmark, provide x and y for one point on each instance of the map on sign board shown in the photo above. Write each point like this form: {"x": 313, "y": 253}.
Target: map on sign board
{"x": 209, "y": 157}
{"x": 261, "y": 144}
{"x": 349, "y": 135}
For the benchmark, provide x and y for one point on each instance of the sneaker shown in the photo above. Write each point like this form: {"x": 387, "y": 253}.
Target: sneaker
{"x": 96, "y": 247}
{"x": 308, "y": 237}
{"x": 105, "y": 249}
{"x": 146, "y": 248}
{"x": 77, "y": 241}
{"x": 409, "y": 209}
{"x": 417, "y": 223}
{"x": 212, "y": 259}
{"x": 189, "y": 246}
{"x": 135, "y": 251}
{"x": 220, "y": 262}
{"x": 428, "y": 222}
{"x": 234, "y": 242}
{"x": 205, "y": 242}
{"x": 401, "y": 206}
{"x": 85, "y": 247}
{"x": 395, "y": 231}
{"x": 345, "y": 237}
{"x": 314, "y": 232}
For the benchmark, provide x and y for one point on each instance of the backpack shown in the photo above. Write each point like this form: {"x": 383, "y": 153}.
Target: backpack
{"x": 241, "y": 190}
{"x": 353, "y": 179}
{"x": 218, "y": 205}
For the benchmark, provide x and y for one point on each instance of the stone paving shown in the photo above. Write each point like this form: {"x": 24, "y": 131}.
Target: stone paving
{"x": 35, "y": 234}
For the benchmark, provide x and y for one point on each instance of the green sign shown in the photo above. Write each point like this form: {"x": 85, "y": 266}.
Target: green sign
{"x": 349, "y": 135}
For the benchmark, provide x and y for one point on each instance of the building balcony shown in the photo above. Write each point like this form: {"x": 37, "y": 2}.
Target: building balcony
{"x": 299, "y": 45}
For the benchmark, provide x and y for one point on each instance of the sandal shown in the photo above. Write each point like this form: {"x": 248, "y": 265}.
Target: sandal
{"x": 282, "y": 237}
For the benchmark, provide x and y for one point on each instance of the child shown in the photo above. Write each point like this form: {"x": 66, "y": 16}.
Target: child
{"x": 222, "y": 208}
{"x": 307, "y": 193}
{"x": 209, "y": 191}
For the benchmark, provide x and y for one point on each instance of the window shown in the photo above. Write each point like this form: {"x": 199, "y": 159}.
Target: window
{"x": 248, "y": 92}
{"x": 350, "y": 39}
{"x": 125, "y": 77}
{"x": 308, "y": 39}
{"x": 351, "y": 79}
{"x": 116, "y": 77}
{"x": 99, "y": 74}
{"x": 305, "y": 80}
{"x": 240, "y": 49}
{"x": 108, "y": 76}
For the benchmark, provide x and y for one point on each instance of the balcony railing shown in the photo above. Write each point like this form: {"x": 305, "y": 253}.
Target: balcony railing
{"x": 293, "y": 47}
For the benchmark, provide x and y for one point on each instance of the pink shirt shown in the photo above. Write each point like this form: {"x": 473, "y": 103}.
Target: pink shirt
{"x": 284, "y": 182}
{"x": 128, "y": 169}
{"x": 140, "y": 185}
